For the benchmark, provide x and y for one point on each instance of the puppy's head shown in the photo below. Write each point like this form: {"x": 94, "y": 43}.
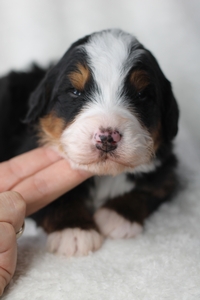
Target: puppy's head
{"x": 106, "y": 106}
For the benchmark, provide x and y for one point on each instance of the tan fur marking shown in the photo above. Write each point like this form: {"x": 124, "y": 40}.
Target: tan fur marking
{"x": 139, "y": 79}
{"x": 51, "y": 128}
{"x": 156, "y": 135}
{"x": 79, "y": 77}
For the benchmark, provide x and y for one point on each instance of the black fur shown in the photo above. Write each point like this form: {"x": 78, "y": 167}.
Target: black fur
{"x": 15, "y": 89}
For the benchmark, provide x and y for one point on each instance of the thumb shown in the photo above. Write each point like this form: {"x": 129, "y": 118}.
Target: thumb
{"x": 8, "y": 254}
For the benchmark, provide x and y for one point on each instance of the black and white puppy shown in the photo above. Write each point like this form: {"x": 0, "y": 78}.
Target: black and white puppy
{"x": 107, "y": 108}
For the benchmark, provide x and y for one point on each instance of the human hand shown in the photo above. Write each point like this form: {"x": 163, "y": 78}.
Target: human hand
{"x": 12, "y": 212}
{"x": 40, "y": 176}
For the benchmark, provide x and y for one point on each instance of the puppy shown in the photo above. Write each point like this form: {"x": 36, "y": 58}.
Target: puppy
{"x": 107, "y": 108}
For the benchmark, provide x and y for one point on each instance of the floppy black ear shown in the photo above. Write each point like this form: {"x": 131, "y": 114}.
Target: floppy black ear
{"x": 167, "y": 101}
{"x": 170, "y": 114}
{"x": 39, "y": 99}
{"x": 37, "y": 103}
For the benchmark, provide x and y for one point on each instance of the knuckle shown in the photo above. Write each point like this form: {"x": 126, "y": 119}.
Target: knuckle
{"x": 41, "y": 185}
{"x": 7, "y": 230}
{"x": 12, "y": 206}
{"x": 15, "y": 167}
{"x": 15, "y": 202}
{"x": 12, "y": 209}
{"x": 20, "y": 203}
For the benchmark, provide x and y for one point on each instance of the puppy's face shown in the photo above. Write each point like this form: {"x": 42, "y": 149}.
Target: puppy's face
{"x": 106, "y": 106}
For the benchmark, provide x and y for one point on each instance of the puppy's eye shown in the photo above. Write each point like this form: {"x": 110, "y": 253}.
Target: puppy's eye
{"x": 75, "y": 93}
{"x": 140, "y": 95}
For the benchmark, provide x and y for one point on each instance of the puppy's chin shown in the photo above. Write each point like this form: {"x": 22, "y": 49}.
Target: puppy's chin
{"x": 107, "y": 164}
{"x": 106, "y": 167}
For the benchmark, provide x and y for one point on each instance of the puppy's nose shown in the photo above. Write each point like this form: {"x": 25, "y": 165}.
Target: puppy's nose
{"x": 107, "y": 140}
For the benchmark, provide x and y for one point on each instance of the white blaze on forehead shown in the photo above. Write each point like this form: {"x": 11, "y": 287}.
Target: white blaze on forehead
{"x": 108, "y": 53}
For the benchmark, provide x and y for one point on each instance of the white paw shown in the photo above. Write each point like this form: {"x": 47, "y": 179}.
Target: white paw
{"x": 113, "y": 225}
{"x": 74, "y": 242}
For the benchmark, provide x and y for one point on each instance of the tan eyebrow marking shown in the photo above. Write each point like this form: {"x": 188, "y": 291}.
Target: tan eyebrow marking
{"x": 140, "y": 79}
{"x": 79, "y": 77}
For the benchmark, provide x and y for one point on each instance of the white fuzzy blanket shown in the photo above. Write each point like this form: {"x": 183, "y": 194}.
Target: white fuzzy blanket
{"x": 162, "y": 263}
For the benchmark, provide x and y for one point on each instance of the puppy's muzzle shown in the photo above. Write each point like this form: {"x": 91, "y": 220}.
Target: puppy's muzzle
{"x": 107, "y": 140}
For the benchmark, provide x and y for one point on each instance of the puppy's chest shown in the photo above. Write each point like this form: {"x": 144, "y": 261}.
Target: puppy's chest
{"x": 108, "y": 187}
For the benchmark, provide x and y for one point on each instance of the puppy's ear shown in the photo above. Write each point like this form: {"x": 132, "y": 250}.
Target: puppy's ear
{"x": 170, "y": 112}
{"x": 37, "y": 103}
{"x": 167, "y": 101}
{"x": 39, "y": 99}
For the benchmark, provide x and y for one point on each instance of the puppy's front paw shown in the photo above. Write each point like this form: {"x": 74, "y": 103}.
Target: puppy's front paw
{"x": 112, "y": 225}
{"x": 74, "y": 242}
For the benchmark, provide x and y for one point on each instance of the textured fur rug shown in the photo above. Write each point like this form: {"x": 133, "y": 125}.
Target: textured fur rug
{"x": 162, "y": 263}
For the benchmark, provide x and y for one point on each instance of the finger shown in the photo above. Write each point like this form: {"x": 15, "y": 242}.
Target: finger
{"x": 8, "y": 254}
{"x": 12, "y": 209}
{"x": 49, "y": 184}
{"x": 24, "y": 165}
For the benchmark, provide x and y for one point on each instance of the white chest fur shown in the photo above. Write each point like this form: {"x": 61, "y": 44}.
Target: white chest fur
{"x": 108, "y": 187}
